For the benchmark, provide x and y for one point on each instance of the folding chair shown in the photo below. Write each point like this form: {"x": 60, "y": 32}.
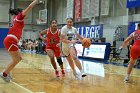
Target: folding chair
{"x": 116, "y": 56}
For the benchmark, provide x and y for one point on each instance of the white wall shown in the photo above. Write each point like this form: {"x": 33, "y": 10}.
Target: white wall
{"x": 4, "y": 16}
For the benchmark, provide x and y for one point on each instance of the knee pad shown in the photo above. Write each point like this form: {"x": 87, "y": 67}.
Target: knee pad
{"x": 59, "y": 60}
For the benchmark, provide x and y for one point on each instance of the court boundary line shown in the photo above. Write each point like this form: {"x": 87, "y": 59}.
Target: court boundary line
{"x": 21, "y": 87}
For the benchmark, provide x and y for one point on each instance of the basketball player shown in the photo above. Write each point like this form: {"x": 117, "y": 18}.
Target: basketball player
{"x": 13, "y": 37}
{"x": 134, "y": 51}
{"x": 68, "y": 34}
{"x": 52, "y": 46}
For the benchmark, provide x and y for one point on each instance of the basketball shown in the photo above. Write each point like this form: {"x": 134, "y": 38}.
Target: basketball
{"x": 86, "y": 42}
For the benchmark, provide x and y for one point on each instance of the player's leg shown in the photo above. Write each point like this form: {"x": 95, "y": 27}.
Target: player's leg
{"x": 12, "y": 47}
{"x": 60, "y": 62}
{"x": 65, "y": 51}
{"x": 77, "y": 62}
{"x": 134, "y": 54}
{"x": 57, "y": 54}
{"x": 50, "y": 53}
{"x": 70, "y": 60}
{"x": 16, "y": 58}
{"x": 129, "y": 69}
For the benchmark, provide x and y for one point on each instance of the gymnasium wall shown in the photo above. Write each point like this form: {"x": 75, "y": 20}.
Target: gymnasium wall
{"x": 4, "y": 17}
{"x": 61, "y": 11}
{"x": 4, "y": 7}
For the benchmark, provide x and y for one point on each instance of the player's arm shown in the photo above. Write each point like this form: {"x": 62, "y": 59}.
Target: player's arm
{"x": 64, "y": 40}
{"x": 79, "y": 36}
{"x": 126, "y": 41}
{"x": 63, "y": 35}
{"x": 29, "y": 8}
{"x": 43, "y": 33}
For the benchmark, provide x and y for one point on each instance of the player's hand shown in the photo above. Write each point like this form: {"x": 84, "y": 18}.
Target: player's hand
{"x": 44, "y": 39}
{"x": 120, "y": 48}
{"x": 58, "y": 45}
{"x": 74, "y": 41}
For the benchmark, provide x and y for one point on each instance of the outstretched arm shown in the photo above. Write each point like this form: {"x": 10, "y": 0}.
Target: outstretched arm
{"x": 126, "y": 41}
{"x": 29, "y": 8}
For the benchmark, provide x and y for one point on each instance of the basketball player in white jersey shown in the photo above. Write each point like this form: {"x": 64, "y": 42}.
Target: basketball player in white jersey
{"x": 68, "y": 34}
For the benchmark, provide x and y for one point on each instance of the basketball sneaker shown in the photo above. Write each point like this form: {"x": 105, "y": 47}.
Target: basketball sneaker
{"x": 126, "y": 80}
{"x": 57, "y": 73}
{"x": 75, "y": 74}
{"x": 63, "y": 73}
{"x": 7, "y": 78}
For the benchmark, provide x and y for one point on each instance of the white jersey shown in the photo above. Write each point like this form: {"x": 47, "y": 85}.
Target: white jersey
{"x": 69, "y": 34}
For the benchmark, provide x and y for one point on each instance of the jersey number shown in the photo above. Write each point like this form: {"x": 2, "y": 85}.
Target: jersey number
{"x": 52, "y": 41}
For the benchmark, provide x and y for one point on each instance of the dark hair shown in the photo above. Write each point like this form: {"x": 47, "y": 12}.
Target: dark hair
{"x": 69, "y": 18}
{"x": 15, "y": 11}
{"x": 52, "y": 21}
{"x": 138, "y": 25}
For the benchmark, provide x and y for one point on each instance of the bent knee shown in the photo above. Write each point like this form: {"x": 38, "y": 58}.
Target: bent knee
{"x": 74, "y": 58}
{"x": 18, "y": 59}
{"x": 51, "y": 57}
{"x": 132, "y": 63}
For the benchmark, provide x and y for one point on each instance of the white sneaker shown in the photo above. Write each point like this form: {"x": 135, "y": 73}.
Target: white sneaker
{"x": 9, "y": 75}
{"x": 75, "y": 74}
{"x": 126, "y": 80}
{"x": 6, "y": 79}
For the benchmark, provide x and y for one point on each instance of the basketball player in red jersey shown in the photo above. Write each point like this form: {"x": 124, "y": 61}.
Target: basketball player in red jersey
{"x": 52, "y": 46}
{"x": 13, "y": 37}
{"x": 134, "y": 52}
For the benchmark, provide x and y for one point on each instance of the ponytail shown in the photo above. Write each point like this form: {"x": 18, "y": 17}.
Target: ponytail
{"x": 15, "y": 11}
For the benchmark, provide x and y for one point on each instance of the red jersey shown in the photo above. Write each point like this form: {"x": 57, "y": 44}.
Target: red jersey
{"x": 18, "y": 24}
{"x": 136, "y": 36}
{"x": 52, "y": 38}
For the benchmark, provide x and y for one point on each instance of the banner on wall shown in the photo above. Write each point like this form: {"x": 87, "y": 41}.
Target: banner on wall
{"x": 78, "y": 9}
{"x": 95, "y": 31}
{"x": 132, "y": 27}
{"x": 70, "y": 8}
{"x": 133, "y": 3}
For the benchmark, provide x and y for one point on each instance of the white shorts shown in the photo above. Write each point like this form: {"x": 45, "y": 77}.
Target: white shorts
{"x": 65, "y": 49}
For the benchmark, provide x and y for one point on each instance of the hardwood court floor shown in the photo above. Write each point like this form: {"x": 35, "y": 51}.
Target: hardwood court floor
{"x": 35, "y": 74}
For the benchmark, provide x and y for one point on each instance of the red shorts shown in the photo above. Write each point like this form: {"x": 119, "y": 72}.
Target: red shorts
{"x": 10, "y": 43}
{"x": 55, "y": 49}
{"x": 135, "y": 52}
